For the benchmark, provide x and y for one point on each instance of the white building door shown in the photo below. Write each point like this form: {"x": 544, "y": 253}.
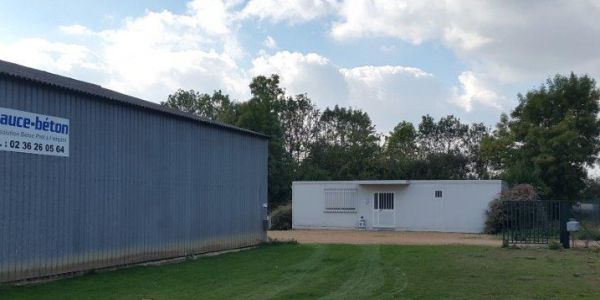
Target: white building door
{"x": 383, "y": 210}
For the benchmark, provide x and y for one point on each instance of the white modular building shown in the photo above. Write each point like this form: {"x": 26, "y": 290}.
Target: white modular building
{"x": 403, "y": 205}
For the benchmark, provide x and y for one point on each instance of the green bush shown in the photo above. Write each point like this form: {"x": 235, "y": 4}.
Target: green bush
{"x": 495, "y": 214}
{"x": 495, "y": 217}
{"x": 554, "y": 245}
{"x": 281, "y": 217}
{"x": 588, "y": 233}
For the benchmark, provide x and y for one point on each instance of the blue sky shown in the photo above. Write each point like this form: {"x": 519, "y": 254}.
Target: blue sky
{"x": 397, "y": 60}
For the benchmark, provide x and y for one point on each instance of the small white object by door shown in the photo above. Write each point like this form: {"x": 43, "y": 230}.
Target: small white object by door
{"x": 384, "y": 215}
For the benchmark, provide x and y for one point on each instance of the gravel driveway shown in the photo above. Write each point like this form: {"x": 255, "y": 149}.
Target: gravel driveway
{"x": 383, "y": 237}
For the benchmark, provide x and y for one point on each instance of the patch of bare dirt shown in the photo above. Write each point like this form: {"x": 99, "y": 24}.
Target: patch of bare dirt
{"x": 383, "y": 237}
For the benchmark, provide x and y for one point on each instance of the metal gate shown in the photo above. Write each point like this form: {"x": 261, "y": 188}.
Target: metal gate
{"x": 535, "y": 222}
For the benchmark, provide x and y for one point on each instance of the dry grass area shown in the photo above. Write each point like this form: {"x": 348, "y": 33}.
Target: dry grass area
{"x": 383, "y": 237}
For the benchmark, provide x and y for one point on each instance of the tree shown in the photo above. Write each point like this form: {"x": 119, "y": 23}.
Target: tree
{"x": 299, "y": 118}
{"x": 551, "y": 138}
{"x": 346, "y": 148}
{"x": 217, "y": 107}
{"x": 399, "y": 157}
{"x": 447, "y": 136}
{"x": 450, "y": 149}
{"x": 446, "y": 149}
{"x": 402, "y": 141}
{"x": 496, "y": 149}
{"x": 261, "y": 114}
{"x": 591, "y": 190}
{"x": 477, "y": 163}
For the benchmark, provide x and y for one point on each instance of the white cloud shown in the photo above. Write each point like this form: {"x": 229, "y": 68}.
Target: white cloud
{"x": 501, "y": 43}
{"x": 463, "y": 39}
{"x": 46, "y": 55}
{"x": 508, "y": 41}
{"x": 270, "y": 43}
{"x": 376, "y": 73}
{"x": 148, "y": 56}
{"x": 414, "y": 21}
{"x": 304, "y": 73}
{"x": 291, "y": 11}
{"x": 212, "y": 16}
{"x": 389, "y": 94}
{"x": 153, "y": 55}
{"x": 473, "y": 90}
{"x": 387, "y": 49}
{"x": 76, "y": 29}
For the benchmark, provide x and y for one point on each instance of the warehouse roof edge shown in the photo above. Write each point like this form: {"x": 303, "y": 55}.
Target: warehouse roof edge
{"x": 43, "y": 77}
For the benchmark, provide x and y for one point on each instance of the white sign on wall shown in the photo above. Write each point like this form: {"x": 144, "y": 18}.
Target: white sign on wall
{"x": 27, "y": 132}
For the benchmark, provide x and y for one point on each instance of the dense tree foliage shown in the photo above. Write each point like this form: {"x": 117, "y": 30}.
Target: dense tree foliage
{"x": 591, "y": 190}
{"x": 215, "y": 107}
{"x": 547, "y": 141}
{"x": 261, "y": 114}
{"x": 446, "y": 149}
{"x": 551, "y": 138}
{"x": 300, "y": 121}
{"x": 345, "y": 148}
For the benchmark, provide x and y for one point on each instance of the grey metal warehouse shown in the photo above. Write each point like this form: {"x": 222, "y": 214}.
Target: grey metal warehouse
{"x": 93, "y": 178}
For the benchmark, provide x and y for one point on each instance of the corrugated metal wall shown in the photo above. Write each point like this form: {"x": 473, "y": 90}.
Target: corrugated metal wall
{"x": 139, "y": 185}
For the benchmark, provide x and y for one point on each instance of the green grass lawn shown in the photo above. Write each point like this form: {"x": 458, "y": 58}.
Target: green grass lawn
{"x": 288, "y": 271}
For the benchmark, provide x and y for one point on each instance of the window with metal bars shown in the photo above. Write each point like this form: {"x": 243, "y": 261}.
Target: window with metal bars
{"x": 341, "y": 200}
{"x": 438, "y": 194}
{"x": 383, "y": 200}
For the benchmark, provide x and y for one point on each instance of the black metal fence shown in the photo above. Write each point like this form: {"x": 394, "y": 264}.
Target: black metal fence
{"x": 534, "y": 222}
{"x": 538, "y": 222}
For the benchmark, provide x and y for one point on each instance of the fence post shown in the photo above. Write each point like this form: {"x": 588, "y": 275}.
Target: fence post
{"x": 564, "y": 218}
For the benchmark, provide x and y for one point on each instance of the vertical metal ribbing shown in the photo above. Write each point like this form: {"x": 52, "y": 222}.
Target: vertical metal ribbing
{"x": 4, "y": 205}
{"x": 104, "y": 204}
